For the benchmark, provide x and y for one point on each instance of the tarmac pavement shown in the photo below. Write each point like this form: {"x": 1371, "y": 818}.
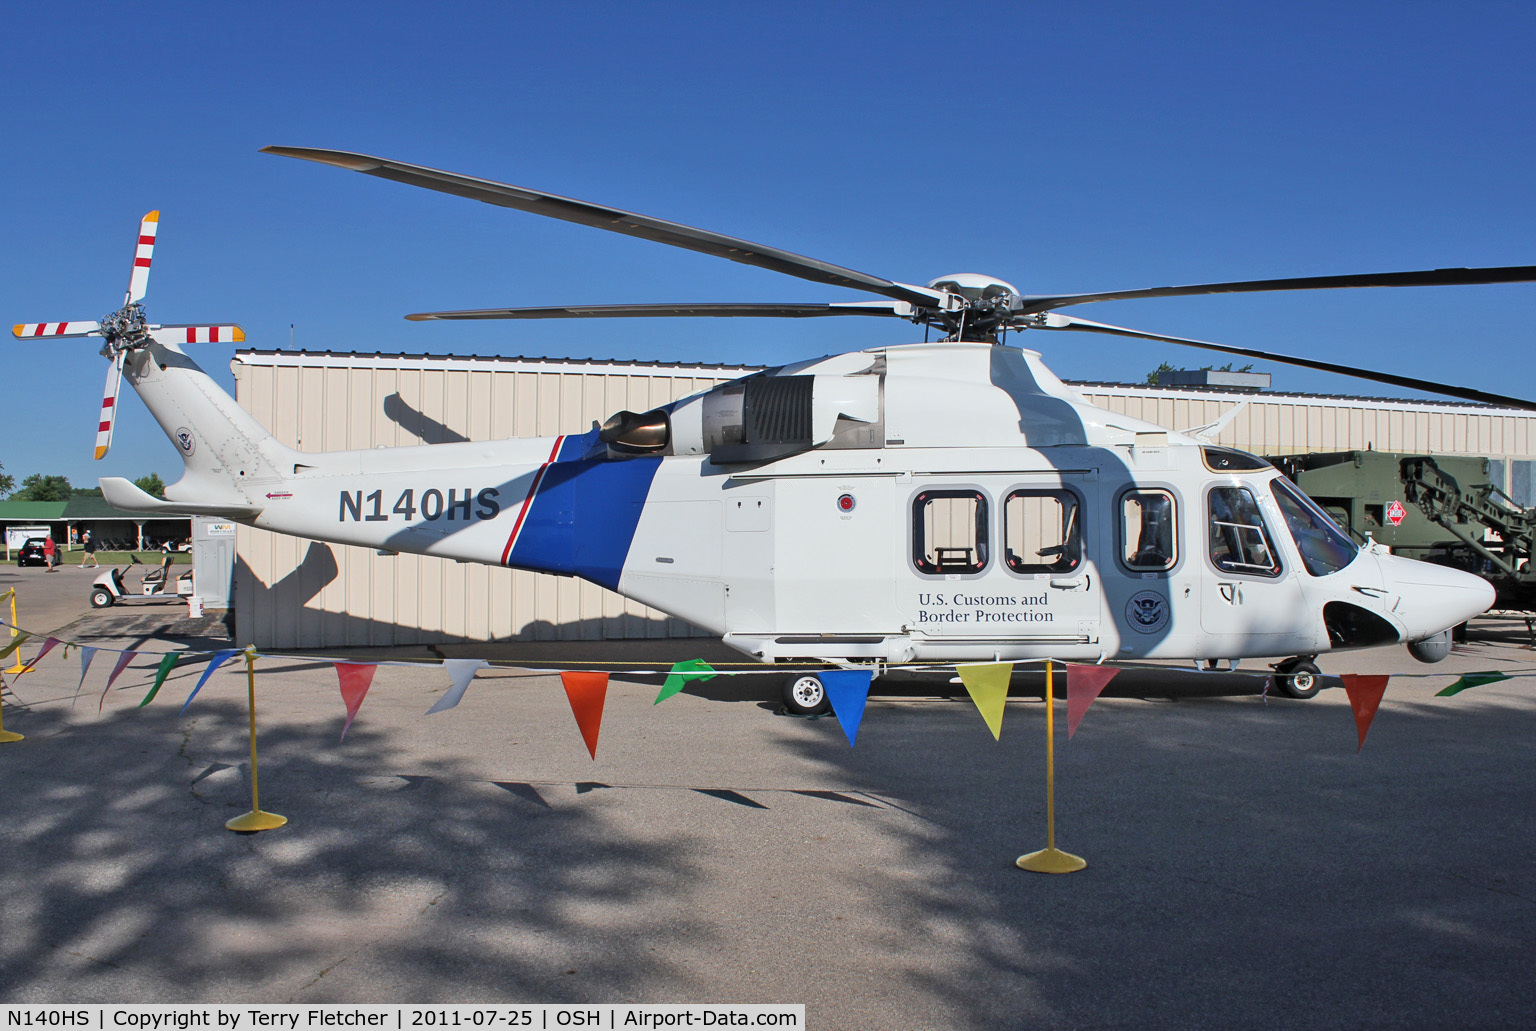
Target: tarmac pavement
{"x": 1246, "y": 866}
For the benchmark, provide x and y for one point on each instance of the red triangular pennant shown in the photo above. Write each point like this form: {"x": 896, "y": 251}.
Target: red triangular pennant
{"x": 586, "y": 692}
{"x": 1365, "y": 693}
{"x": 1083, "y": 686}
{"x": 356, "y": 678}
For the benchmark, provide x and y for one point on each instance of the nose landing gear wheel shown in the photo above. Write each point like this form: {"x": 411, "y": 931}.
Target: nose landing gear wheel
{"x": 805, "y": 695}
{"x": 1299, "y": 678}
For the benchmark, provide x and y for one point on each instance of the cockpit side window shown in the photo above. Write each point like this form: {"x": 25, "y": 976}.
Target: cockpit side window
{"x": 1147, "y": 539}
{"x": 1240, "y": 543}
{"x": 1323, "y": 546}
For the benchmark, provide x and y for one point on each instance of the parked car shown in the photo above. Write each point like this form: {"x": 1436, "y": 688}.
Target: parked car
{"x": 31, "y": 553}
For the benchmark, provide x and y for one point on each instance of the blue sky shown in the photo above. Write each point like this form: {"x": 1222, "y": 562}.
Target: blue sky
{"x": 1063, "y": 147}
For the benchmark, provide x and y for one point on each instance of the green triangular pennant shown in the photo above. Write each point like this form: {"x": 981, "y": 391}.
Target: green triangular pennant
{"x": 682, "y": 674}
{"x": 164, "y": 671}
{"x": 14, "y": 644}
{"x": 1471, "y": 680}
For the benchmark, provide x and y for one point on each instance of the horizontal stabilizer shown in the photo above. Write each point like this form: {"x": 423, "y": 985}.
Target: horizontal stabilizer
{"x": 120, "y": 493}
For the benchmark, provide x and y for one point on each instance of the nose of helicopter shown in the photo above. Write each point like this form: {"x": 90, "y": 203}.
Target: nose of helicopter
{"x": 1434, "y": 597}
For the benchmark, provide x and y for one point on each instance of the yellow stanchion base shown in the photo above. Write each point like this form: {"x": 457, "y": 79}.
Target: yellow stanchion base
{"x": 7, "y": 736}
{"x": 256, "y": 820}
{"x": 1051, "y": 860}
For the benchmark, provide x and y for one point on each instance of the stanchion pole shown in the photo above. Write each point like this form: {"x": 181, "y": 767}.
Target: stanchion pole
{"x": 255, "y": 820}
{"x": 7, "y": 736}
{"x": 1050, "y": 859}
{"x": 18, "y": 667}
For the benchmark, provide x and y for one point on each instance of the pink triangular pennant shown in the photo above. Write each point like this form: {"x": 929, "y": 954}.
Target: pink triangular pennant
{"x": 1083, "y": 686}
{"x": 586, "y": 692}
{"x": 49, "y": 645}
{"x": 122, "y": 663}
{"x": 1365, "y": 693}
{"x": 355, "y": 678}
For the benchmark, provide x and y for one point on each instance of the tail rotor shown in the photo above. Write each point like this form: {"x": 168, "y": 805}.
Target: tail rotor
{"x": 127, "y": 329}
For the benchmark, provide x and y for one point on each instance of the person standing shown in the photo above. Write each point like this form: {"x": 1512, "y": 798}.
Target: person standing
{"x": 50, "y": 554}
{"x": 90, "y": 550}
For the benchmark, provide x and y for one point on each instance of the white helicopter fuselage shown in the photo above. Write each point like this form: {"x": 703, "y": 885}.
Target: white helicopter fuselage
{"x": 930, "y": 502}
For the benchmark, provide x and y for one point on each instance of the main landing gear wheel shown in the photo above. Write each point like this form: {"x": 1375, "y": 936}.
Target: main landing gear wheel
{"x": 805, "y": 695}
{"x": 1299, "y": 678}
{"x": 101, "y": 598}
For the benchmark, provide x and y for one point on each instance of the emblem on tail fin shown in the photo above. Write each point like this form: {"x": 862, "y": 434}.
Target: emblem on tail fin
{"x": 185, "y": 441}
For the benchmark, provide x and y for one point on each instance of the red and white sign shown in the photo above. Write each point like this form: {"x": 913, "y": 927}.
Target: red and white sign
{"x": 1395, "y": 513}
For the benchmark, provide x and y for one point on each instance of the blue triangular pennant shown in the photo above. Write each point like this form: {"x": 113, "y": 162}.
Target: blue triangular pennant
{"x": 848, "y": 690}
{"x": 219, "y": 658}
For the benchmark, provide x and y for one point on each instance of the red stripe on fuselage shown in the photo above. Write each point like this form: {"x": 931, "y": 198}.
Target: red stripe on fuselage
{"x": 532, "y": 490}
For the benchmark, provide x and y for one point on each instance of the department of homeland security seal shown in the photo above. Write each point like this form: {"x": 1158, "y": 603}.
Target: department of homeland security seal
{"x": 185, "y": 441}
{"x": 1147, "y": 612}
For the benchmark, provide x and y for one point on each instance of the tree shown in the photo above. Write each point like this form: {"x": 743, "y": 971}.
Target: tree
{"x": 151, "y": 484}
{"x": 1152, "y": 376}
{"x": 7, "y": 482}
{"x": 38, "y": 487}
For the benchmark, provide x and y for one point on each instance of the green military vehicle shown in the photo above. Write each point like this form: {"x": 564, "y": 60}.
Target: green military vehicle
{"x": 1440, "y": 508}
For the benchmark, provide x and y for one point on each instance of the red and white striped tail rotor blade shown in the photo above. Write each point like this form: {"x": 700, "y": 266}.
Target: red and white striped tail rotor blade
{"x": 229, "y": 334}
{"x": 138, "y": 281}
{"x": 109, "y": 407}
{"x": 55, "y": 329}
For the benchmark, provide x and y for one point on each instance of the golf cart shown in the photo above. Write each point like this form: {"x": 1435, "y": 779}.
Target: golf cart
{"x": 109, "y": 589}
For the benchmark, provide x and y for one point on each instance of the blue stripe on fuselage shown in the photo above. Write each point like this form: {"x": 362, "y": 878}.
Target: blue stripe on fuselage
{"x": 583, "y": 518}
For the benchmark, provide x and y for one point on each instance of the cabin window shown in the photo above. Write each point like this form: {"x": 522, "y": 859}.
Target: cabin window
{"x": 1147, "y": 539}
{"x": 949, "y": 531}
{"x": 1042, "y": 532}
{"x": 1323, "y": 546}
{"x": 1240, "y": 543}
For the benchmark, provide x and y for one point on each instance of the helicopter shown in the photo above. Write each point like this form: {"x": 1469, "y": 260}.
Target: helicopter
{"x": 939, "y": 502}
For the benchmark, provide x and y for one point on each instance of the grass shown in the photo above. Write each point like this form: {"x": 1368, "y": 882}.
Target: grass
{"x": 118, "y": 558}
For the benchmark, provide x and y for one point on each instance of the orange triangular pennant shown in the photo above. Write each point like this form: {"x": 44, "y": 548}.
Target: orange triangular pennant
{"x": 1083, "y": 686}
{"x": 586, "y": 692}
{"x": 1365, "y": 694}
{"x": 355, "y": 678}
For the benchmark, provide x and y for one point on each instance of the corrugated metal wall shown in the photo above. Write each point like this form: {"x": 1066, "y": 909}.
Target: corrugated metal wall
{"x": 292, "y": 593}
{"x": 1277, "y": 424}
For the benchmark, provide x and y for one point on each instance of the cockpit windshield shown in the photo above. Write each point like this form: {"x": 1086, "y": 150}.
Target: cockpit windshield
{"x": 1324, "y": 547}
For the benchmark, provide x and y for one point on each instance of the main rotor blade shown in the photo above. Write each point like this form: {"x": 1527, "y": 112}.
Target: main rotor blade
{"x": 143, "y": 253}
{"x": 602, "y": 217}
{"x": 899, "y": 309}
{"x": 1429, "y": 277}
{"x": 1066, "y": 322}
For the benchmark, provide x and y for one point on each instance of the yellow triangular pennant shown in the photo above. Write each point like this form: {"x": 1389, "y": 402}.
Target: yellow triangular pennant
{"x": 987, "y": 684}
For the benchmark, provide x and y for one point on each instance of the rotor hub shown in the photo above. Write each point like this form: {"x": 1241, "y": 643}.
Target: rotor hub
{"x": 985, "y": 305}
